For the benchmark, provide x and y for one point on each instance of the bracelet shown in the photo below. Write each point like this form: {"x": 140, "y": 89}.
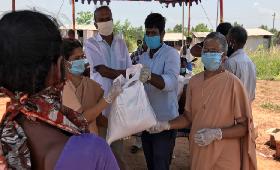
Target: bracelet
{"x": 108, "y": 99}
{"x": 220, "y": 134}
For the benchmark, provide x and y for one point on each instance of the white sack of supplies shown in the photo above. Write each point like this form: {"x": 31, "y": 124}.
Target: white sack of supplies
{"x": 131, "y": 112}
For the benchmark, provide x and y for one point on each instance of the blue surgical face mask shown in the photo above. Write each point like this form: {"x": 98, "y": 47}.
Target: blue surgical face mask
{"x": 153, "y": 42}
{"x": 211, "y": 61}
{"x": 77, "y": 67}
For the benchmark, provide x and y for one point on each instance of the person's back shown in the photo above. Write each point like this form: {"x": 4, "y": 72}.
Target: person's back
{"x": 36, "y": 128}
{"x": 243, "y": 67}
{"x": 239, "y": 62}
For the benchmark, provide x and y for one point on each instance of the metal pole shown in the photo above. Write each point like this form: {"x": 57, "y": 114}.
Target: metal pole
{"x": 13, "y": 5}
{"x": 217, "y": 16}
{"x": 221, "y": 11}
{"x": 183, "y": 23}
{"x": 273, "y": 20}
{"x": 73, "y": 15}
{"x": 189, "y": 19}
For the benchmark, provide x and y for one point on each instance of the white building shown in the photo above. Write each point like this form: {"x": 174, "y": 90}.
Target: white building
{"x": 174, "y": 39}
{"x": 256, "y": 37}
{"x": 83, "y": 32}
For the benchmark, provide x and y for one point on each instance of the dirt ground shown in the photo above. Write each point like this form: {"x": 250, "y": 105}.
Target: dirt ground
{"x": 268, "y": 92}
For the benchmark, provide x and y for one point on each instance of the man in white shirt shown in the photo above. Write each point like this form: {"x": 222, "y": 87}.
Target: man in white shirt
{"x": 108, "y": 58}
{"x": 185, "y": 53}
{"x": 239, "y": 63}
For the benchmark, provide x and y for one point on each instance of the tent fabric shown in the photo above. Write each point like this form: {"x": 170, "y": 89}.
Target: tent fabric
{"x": 167, "y": 2}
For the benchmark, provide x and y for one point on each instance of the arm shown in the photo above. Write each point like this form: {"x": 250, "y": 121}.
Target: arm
{"x": 180, "y": 122}
{"x": 241, "y": 110}
{"x": 237, "y": 131}
{"x": 196, "y": 50}
{"x": 157, "y": 81}
{"x": 168, "y": 80}
{"x": 107, "y": 72}
{"x": 105, "y": 101}
{"x": 92, "y": 113}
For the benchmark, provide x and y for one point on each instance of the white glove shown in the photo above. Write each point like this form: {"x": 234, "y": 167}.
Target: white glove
{"x": 204, "y": 137}
{"x": 159, "y": 127}
{"x": 145, "y": 74}
{"x": 115, "y": 90}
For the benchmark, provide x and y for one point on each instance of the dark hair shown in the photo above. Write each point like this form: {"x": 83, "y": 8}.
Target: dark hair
{"x": 189, "y": 39}
{"x": 183, "y": 60}
{"x": 29, "y": 45}
{"x": 68, "y": 46}
{"x": 239, "y": 34}
{"x": 71, "y": 32}
{"x": 224, "y": 28}
{"x": 155, "y": 20}
{"x": 101, "y": 8}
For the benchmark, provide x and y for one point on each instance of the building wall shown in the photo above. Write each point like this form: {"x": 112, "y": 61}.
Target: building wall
{"x": 254, "y": 42}
{"x": 198, "y": 40}
{"x": 86, "y": 34}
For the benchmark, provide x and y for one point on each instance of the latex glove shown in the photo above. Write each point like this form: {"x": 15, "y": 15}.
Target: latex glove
{"x": 115, "y": 90}
{"x": 145, "y": 74}
{"x": 159, "y": 127}
{"x": 204, "y": 137}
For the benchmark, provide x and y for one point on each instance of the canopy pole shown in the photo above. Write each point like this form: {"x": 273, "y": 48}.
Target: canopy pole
{"x": 221, "y": 11}
{"x": 183, "y": 23}
{"x": 13, "y": 5}
{"x": 189, "y": 19}
{"x": 73, "y": 15}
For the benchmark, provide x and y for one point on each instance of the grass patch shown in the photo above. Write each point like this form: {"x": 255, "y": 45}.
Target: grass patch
{"x": 267, "y": 63}
{"x": 270, "y": 106}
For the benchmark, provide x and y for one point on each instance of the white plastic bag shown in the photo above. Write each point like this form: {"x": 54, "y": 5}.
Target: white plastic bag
{"x": 131, "y": 112}
{"x": 182, "y": 81}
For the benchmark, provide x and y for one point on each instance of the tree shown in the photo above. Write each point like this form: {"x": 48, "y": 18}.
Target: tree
{"x": 265, "y": 27}
{"x": 131, "y": 34}
{"x": 84, "y": 18}
{"x": 177, "y": 28}
{"x": 273, "y": 31}
{"x": 201, "y": 28}
{"x": 237, "y": 24}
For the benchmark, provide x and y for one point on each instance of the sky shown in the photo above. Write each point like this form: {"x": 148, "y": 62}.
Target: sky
{"x": 250, "y": 13}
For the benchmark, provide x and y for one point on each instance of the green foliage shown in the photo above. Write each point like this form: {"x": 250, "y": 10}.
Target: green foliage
{"x": 177, "y": 28}
{"x": 84, "y": 18}
{"x": 131, "y": 34}
{"x": 265, "y": 27}
{"x": 201, "y": 28}
{"x": 267, "y": 62}
{"x": 237, "y": 24}
{"x": 271, "y": 106}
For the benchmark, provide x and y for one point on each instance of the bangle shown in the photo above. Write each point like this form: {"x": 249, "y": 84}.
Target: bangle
{"x": 108, "y": 99}
{"x": 220, "y": 134}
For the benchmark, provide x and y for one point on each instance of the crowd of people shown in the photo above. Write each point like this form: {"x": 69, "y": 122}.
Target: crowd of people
{"x": 57, "y": 115}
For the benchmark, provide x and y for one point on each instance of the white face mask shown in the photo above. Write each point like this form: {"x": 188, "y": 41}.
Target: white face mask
{"x": 105, "y": 28}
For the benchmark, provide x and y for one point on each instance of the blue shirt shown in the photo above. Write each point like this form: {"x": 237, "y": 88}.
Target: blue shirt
{"x": 166, "y": 63}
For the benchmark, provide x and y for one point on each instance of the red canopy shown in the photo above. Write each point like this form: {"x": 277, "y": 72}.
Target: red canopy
{"x": 167, "y": 2}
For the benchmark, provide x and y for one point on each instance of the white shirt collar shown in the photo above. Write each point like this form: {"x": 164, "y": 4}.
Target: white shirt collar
{"x": 99, "y": 38}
